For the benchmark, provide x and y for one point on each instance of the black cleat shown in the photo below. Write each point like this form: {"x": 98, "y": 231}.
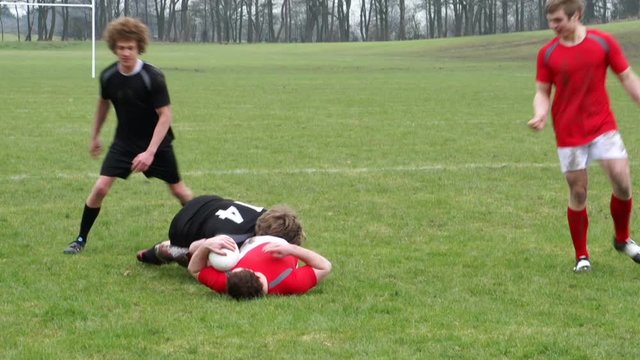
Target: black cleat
{"x": 75, "y": 246}
{"x": 630, "y": 248}
{"x": 149, "y": 256}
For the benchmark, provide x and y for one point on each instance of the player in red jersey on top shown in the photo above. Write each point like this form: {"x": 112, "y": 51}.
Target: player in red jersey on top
{"x": 268, "y": 265}
{"x": 575, "y": 62}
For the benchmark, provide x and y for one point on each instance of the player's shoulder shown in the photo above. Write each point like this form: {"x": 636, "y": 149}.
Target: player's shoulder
{"x": 152, "y": 69}
{"x": 109, "y": 71}
{"x": 547, "y": 49}
{"x": 598, "y": 32}
{"x": 550, "y": 44}
{"x": 602, "y": 38}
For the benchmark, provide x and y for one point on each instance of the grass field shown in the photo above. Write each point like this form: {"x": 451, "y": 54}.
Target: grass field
{"x": 409, "y": 162}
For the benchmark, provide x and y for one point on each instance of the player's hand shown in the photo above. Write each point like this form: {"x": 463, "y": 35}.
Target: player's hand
{"x": 95, "y": 148}
{"x": 142, "y": 162}
{"x": 277, "y": 249}
{"x": 218, "y": 243}
{"x": 538, "y": 122}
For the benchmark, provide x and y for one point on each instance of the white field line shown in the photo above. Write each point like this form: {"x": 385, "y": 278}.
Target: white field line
{"x": 346, "y": 171}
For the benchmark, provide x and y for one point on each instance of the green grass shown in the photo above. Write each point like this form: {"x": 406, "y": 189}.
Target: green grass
{"x": 409, "y": 162}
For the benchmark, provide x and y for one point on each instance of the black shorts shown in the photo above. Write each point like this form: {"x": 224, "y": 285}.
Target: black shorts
{"x": 119, "y": 159}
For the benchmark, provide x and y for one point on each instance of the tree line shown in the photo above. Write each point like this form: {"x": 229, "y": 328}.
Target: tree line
{"x": 250, "y": 21}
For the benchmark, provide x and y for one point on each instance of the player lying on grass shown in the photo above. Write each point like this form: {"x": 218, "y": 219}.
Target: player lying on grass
{"x": 268, "y": 265}
{"x": 210, "y": 215}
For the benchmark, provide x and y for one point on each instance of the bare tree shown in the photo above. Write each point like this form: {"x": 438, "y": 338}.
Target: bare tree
{"x": 603, "y": 12}
{"x": 30, "y": 20}
{"x": 256, "y": 23}
{"x": 458, "y": 16}
{"x": 383, "y": 16}
{"x": 285, "y": 21}
{"x": 160, "y": 9}
{"x": 365, "y": 19}
{"x": 184, "y": 21}
{"x": 3, "y": 10}
{"x": 65, "y": 21}
{"x": 402, "y": 35}
{"x": 589, "y": 11}
{"x": 52, "y": 27}
{"x": 312, "y": 14}
{"x": 344, "y": 28}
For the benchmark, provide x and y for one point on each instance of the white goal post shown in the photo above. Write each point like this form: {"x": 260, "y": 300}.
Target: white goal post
{"x": 93, "y": 23}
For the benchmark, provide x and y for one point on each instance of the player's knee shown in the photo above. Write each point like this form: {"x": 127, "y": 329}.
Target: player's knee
{"x": 579, "y": 195}
{"x": 622, "y": 192}
{"x": 100, "y": 191}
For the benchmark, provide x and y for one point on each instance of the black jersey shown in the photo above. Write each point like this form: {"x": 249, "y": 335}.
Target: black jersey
{"x": 210, "y": 215}
{"x": 135, "y": 99}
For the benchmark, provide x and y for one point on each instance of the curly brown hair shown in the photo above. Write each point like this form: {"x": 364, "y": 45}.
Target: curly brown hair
{"x": 569, "y": 6}
{"x": 127, "y": 28}
{"x": 244, "y": 285}
{"x": 283, "y": 222}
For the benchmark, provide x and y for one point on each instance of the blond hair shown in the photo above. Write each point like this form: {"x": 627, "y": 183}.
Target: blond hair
{"x": 283, "y": 222}
{"x": 569, "y": 6}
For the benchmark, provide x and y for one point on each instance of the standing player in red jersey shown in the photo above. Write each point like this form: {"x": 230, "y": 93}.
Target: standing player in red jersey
{"x": 268, "y": 265}
{"x": 575, "y": 62}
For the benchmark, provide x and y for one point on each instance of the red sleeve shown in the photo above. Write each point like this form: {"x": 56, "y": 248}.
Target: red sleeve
{"x": 213, "y": 279}
{"x": 300, "y": 281}
{"x": 543, "y": 73}
{"x": 617, "y": 60}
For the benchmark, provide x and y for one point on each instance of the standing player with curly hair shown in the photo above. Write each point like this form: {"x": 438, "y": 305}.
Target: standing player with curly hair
{"x": 142, "y": 142}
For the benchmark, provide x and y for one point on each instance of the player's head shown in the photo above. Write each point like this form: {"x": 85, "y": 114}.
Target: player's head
{"x": 244, "y": 284}
{"x": 283, "y": 222}
{"x": 571, "y": 8}
{"x": 127, "y": 29}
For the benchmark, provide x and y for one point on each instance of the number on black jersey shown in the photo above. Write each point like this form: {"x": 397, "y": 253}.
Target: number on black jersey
{"x": 232, "y": 213}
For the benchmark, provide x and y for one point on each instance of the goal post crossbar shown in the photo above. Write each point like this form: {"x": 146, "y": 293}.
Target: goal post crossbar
{"x": 93, "y": 23}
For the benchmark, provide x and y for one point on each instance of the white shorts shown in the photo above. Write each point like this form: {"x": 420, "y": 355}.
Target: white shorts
{"x": 605, "y": 147}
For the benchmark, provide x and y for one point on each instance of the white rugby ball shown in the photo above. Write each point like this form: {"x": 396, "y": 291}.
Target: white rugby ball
{"x": 224, "y": 262}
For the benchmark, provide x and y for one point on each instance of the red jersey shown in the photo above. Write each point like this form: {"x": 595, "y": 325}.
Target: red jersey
{"x": 283, "y": 275}
{"x": 581, "y": 110}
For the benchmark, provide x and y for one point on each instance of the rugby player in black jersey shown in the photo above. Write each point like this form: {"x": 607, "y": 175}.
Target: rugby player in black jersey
{"x": 142, "y": 141}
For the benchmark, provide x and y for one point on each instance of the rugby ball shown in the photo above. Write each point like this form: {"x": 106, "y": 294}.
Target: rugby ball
{"x": 224, "y": 262}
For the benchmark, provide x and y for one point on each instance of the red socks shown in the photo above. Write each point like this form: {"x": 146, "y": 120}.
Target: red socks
{"x": 578, "y": 226}
{"x": 621, "y": 214}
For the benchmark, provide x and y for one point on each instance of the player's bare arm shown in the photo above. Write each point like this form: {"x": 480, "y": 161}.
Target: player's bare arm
{"x": 196, "y": 245}
{"x": 102, "y": 110}
{"x": 144, "y": 159}
{"x": 215, "y": 244}
{"x": 321, "y": 266}
{"x": 541, "y": 103}
{"x": 631, "y": 84}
